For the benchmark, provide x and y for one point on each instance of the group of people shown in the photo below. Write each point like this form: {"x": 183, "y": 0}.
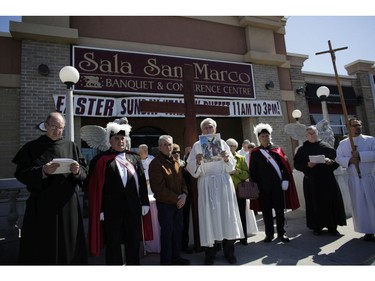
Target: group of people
{"x": 118, "y": 185}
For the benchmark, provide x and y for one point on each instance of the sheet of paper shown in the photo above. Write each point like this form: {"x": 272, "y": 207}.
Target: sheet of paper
{"x": 317, "y": 159}
{"x": 64, "y": 165}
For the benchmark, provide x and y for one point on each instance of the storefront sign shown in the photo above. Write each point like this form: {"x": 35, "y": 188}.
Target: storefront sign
{"x": 94, "y": 106}
{"x": 115, "y": 71}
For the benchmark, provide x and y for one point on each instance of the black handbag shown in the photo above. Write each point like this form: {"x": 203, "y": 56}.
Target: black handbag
{"x": 248, "y": 190}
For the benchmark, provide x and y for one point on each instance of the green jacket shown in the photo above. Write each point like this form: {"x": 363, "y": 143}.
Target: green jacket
{"x": 242, "y": 170}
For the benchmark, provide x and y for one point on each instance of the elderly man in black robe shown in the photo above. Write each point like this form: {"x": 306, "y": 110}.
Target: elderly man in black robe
{"x": 324, "y": 203}
{"x": 52, "y": 231}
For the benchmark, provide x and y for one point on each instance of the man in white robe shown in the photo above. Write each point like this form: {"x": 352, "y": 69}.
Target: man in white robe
{"x": 218, "y": 214}
{"x": 361, "y": 189}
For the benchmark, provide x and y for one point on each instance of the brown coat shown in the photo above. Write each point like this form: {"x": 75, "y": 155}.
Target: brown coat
{"x": 166, "y": 179}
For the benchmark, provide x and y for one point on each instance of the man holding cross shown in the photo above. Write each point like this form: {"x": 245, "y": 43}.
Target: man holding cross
{"x": 361, "y": 186}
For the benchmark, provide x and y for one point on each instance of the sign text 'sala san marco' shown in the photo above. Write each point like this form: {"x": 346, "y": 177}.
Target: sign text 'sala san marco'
{"x": 118, "y": 71}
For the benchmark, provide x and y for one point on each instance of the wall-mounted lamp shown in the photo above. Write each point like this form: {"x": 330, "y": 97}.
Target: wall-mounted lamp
{"x": 300, "y": 91}
{"x": 43, "y": 70}
{"x": 269, "y": 85}
{"x": 41, "y": 127}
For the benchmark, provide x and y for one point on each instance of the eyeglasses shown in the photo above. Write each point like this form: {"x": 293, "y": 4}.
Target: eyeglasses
{"x": 55, "y": 128}
{"x": 176, "y": 152}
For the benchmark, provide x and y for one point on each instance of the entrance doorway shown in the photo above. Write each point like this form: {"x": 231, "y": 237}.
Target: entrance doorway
{"x": 146, "y": 135}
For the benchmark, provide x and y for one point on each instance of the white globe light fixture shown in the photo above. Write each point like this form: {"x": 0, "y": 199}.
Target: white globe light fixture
{"x": 69, "y": 76}
{"x": 296, "y": 114}
{"x": 323, "y": 93}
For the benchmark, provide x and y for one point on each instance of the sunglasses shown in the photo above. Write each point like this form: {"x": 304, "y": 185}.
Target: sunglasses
{"x": 175, "y": 152}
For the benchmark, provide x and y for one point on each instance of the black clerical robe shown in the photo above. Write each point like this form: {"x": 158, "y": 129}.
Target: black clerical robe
{"x": 323, "y": 199}
{"x": 52, "y": 230}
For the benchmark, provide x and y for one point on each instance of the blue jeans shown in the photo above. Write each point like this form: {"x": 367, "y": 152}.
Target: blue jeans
{"x": 171, "y": 222}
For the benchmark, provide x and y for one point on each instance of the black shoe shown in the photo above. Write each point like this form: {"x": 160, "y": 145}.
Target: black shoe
{"x": 268, "y": 239}
{"x": 180, "y": 261}
{"x": 244, "y": 241}
{"x": 188, "y": 250}
{"x": 283, "y": 238}
{"x": 231, "y": 259}
{"x": 334, "y": 232}
{"x": 368, "y": 237}
{"x": 208, "y": 261}
{"x": 218, "y": 246}
{"x": 317, "y": 232}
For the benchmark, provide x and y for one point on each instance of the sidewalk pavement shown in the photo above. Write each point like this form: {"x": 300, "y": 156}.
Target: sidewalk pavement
{"x": 303, "y": 249}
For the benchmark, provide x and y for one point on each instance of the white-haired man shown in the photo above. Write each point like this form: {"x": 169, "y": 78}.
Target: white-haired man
{"x": 270, "y": 169}
{"x": 118, "y": 195}
{"x": 219, "y": 218}
{"x": 245, "y": 148}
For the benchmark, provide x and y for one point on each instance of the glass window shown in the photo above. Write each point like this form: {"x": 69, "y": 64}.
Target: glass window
{"x": 337, "y": 123}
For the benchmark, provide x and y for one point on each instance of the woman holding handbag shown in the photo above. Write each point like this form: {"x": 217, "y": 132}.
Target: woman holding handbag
{"x": 239, "y": 174}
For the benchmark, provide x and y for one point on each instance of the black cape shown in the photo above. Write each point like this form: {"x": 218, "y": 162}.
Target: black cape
{"x": 323, "y": 199}
{"x": 52, "y": 230}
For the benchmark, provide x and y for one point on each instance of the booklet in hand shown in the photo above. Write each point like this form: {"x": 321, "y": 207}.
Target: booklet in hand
{"x": 64, "y": 165}
{"x": 319, "y": 159}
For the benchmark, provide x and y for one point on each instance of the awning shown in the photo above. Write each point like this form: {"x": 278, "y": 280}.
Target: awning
{"x": 334, "y": 97}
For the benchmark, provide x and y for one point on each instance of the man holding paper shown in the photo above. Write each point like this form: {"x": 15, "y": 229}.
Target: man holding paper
{"x": 323, "y": 199}
{"x": 52, "y": 231}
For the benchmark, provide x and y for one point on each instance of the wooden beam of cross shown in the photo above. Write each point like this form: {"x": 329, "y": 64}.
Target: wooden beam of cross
{"x": 342, "y": 99}
{"x": 190, "y": 110}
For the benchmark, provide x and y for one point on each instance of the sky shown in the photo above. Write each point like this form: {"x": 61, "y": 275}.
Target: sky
{"x": 305, "y": 35}
{"x": 308, "y": 35}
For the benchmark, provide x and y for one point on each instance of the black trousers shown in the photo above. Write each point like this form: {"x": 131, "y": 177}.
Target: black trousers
{"x": 242, "y": 209}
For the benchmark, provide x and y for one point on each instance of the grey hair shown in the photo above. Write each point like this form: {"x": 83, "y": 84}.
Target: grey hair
{"x": 143, "y": 145}
{"x": 312, "y": 128}
{"x": 208, "y": 120}
{"x": 232, "y": 141}
{"x": 166, "y": 138}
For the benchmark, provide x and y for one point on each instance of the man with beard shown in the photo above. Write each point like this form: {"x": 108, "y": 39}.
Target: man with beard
{"x": 361, "y": 188}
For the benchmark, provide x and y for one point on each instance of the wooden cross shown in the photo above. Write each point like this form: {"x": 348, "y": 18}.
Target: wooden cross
{"x": 190, "y": 110}
{"x": 342, "y": 99}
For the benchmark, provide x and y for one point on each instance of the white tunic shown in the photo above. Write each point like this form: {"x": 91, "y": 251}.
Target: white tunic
{"x": 218, "y": 213}
{"x": 145, "y": 163}
{"x": 361, "y": 190}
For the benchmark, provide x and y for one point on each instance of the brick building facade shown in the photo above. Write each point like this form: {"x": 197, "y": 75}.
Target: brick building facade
{"x": 27, "y": 95}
